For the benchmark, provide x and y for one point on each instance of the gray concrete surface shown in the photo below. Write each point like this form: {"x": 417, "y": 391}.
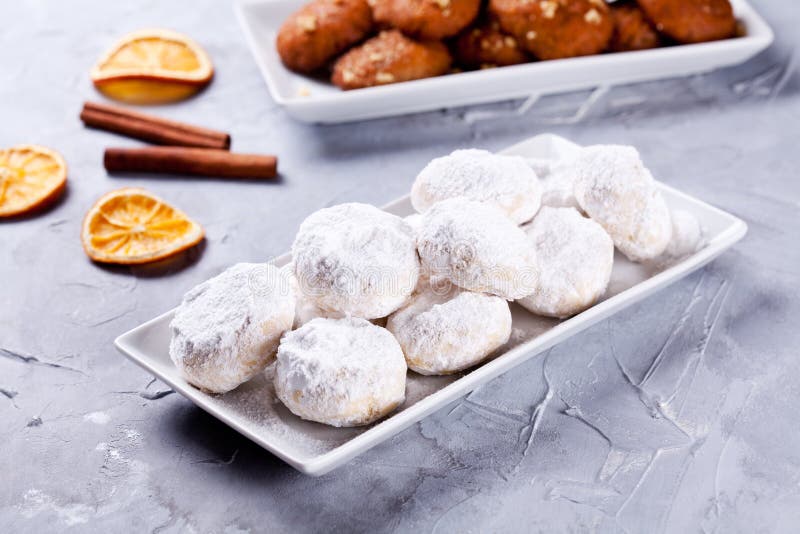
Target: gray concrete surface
{"x": 679, "y": 415}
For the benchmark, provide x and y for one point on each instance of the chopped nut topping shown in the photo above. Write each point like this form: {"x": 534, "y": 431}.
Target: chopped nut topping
{"x": 307, "y": 22}
{"x": 384, "y": 77}
{"x": 485, "y": 44}
{"x": 599, "y": 3}
{"x": 348, "y": 76}
{"x": 549, "y": 8}
{"x": 593, "y": 16}
{"x": 510, "y": 42}
{"x": 443, "y": 4}
{"x": 376, "y": 56}
{"x": 531, "y": 35}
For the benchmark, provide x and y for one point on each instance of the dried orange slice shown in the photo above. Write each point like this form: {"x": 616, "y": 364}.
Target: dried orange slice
{"x": 30, "y": 178}
{"x": 152, "y": 66}
{"x": 131, "y": 225}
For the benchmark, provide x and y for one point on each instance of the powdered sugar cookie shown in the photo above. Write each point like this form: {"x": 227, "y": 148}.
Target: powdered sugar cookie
{"x": 475, "y": 246}
{"x": 687, "y": 235}
{"x": 341, "y": 372}
{"x": 574, "y": 257}
{"x": 615, "y": 189}
{"x": 558, "y": 182}
{"x": 227, "y": 329}
{"x": 506, "y": 182}
{"x": 355, "y": 259}
{"x": 444, "y": 329}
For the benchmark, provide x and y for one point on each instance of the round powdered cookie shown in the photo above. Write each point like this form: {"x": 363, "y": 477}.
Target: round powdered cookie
{"x": 506, "y": 182}
{"x": 227, "y": 329}
{"x": 615, "y": 189}
{"x": 444, "y": 329}
{"x": 475, "y": 246}
{"x": 341, "y": 372}
{"x": 356, "y": 260}
{"x": 557, "y": 177}
{"x": 688, "y": 236}
{"x": 575, "y": 256}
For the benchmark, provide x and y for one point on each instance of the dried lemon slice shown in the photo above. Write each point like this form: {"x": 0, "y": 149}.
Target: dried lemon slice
{"x": 152, "y": 66}
{"x": 131, "y": 226}
{"x": 30, "y": 178}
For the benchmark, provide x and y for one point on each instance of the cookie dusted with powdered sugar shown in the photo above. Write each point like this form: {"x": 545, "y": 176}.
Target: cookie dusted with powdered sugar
{"x": 355, "y": 259}
{"x": 444, "y": 329}
{"x": 506, "y": 182}
{"x": 614, "y": 188}
{"x": 574, "y": 257}
{"x": 341, "y": 372}
{"x": 227, "y": 329}
{"x": 477, "y": 247}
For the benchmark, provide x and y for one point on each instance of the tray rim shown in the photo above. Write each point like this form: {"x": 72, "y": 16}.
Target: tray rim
{"x": 323, "y": 463}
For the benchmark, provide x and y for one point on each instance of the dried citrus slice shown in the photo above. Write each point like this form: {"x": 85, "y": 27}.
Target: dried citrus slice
{"x": 131, "y": 225}
{"x": 30, "y": 178}
{"x": 151, "y": 67}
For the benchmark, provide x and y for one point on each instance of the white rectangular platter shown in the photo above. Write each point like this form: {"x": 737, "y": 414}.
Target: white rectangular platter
{"x": 314, "y": 100}
{"x": 315, "y": 449}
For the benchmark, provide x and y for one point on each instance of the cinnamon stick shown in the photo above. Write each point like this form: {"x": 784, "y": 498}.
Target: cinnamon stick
{"x": 150, "y": 128}
{"x": 197, "y": 161}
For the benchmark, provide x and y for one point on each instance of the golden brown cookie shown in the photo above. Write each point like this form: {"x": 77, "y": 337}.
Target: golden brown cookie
{"x": 426, "y": 19}
{"x": 694, "y": 21}
{"x": 632, "y": 31}
{"x": 553, "y": 29}
{"x": 487, "y": 45}
{"x": 388, "y": 58}
{"x": 321, "y": 30}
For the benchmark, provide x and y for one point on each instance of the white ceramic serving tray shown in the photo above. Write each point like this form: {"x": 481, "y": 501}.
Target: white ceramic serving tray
{"x": 314, "y": 100}
{"x": 315, "y": 449}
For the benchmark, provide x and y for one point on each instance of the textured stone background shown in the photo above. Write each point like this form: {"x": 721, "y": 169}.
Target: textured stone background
{"x": 678, "y": 415}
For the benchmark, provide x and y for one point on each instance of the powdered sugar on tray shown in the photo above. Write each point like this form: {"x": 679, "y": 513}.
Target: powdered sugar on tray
{"x": 257, "y": 404}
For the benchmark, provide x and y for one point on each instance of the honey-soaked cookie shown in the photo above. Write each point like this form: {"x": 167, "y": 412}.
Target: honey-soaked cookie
{"x": 632, "y": 30}
{"x": 691, "y": 22}
{"x": 554, "y": 29}
{"x": 486, "y": 45}
{"x": 320, "y": 31}
{"x": 388, "y": 58}
{"x": 426, "y": 19}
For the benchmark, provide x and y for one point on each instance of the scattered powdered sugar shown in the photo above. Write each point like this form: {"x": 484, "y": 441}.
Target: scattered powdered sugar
{"x": 227, "y": 329}
{"x": 342, "y": 372}
{"x": 615, "y": 189}
{"x": 98, "y": 418}
{"x": 445, "y": 329}
{"x": 356, "y": 259}
{"x": 506, "y": 182}
{"x": 575, "y": 256}
{"x": 475, "y": 246}
{"x": 256, "y": 403}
